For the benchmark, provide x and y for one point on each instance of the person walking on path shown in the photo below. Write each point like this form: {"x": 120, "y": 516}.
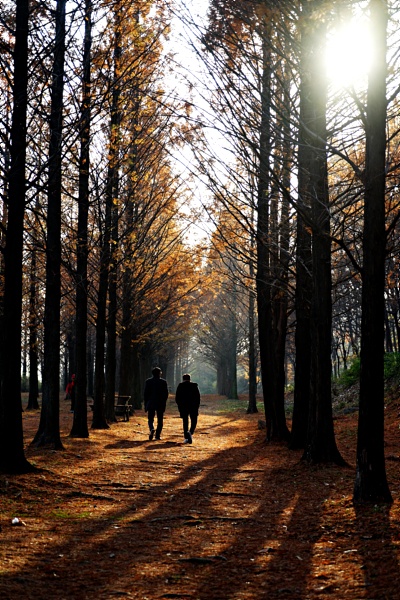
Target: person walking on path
{"x": 155, "y": 401}
{"x": 70, "y": 392}
{"x": 187, "y": 398}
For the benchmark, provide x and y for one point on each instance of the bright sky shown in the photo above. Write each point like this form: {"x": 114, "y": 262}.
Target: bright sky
{"x": 349, "y": 54}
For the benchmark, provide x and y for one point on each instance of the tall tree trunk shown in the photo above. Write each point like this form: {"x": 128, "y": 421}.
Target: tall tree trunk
{"x": 281, "y": 299}
{"x": 138, "y": 378}
{"x": 278, "y": 266}
{"x": 262, "y": 276}
{"x": 252, "y": 405}
{"x": 127, "y": 355}
{"x": 276, "y": 423}
{"x": 370, "y": 482}
{"x": 90, "y": 363}
{"x": 321, "y": 444}
{"x": 49, "y": 427}
{"x": 99, "y": 420}
{"x": 12, "y": 456}
{"x": 232, "y": 364}
{"x": 33, "y": 403}
{"x": 303, "y": 292}
{"x": 111, "y": 360}
{"x": 128, "y": 367}
{"x": 79, "y": 425}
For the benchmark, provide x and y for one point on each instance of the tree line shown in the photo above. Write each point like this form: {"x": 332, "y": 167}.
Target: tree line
{"x": 96, "y": 264}
{"x": 308, "y": 184}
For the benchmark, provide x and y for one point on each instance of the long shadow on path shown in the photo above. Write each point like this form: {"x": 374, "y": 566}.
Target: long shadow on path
{"x": 230, "y": 524}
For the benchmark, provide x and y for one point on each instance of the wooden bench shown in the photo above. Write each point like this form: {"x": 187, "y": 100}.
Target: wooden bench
{"x": 122, "y": 407}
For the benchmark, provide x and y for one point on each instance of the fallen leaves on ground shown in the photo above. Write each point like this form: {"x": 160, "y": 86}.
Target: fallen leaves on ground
{"x": 227, "y": 517}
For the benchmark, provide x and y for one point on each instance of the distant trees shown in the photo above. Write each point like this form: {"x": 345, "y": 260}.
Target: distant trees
{"x": 217, "y": 336}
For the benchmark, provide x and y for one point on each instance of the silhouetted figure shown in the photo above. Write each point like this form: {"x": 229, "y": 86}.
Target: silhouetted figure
{"x": 187, "y": 398}
{"x": 155, "y": 401}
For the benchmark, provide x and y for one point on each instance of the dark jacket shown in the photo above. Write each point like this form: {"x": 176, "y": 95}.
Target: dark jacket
{"x": 187, "y": 397}
{"x": 155, "y": 394}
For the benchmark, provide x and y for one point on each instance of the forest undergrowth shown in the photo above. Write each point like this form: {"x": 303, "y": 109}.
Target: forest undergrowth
{"x": 228, "y": 517}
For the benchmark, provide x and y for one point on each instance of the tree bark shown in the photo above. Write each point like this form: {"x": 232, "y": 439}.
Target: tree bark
{"x": 262, "y": 276}
{"x": 79, "y": 425}
{"x": 232, "y": 364}
{"x": 276, "y": 423}
{"x": 48, "y": 433}
{"x": 111, "y": 361}
{"x": 99, "y": 419}
{"x": 252, "y": 404}
{"x": 321, "y": 444}
{"x": 33, "y": 403}
{"x": 371, "y": 482}
{"x": 303, "y": 292}
{"x": 12, "y": 455}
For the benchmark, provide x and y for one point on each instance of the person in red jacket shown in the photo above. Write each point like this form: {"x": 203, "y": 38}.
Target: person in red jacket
{"x": 70, "y": 392}
{"x": 187, "y": 398}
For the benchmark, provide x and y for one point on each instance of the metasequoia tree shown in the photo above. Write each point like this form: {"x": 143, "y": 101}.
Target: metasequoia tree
{"x": 12, "y": 456}
{"x": 321, "y": 444}
{"x": 273, "y": 234}
{"x": 267, "y": 355}
{"x": 245, "y": 44}
{"x": 99, "y": 420}
{"x": 370, "y": 482}
{"x": 223, "y": 325}
{"x": 163, "y": 292}
{"x": 33, "y": 329}
{"x": 79, "y": 427}
{"x": 281, "y": 232}
{"x": 218, "y": 342}
{"x": 49, "y": 431}
{"x": 148, "y": 190}
{"x": 252, "y": 404}
{"x": 303, "y": 290}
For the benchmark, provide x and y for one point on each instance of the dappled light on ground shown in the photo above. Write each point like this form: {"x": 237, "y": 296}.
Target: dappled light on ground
{"x": 228, "y": 517}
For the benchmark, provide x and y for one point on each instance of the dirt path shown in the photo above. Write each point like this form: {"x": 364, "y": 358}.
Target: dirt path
{"x": 228, "y": 517}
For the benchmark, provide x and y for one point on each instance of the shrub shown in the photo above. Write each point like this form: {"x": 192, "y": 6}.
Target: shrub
{"x": 351, "y": 375}
{"x": 392, "y": 365}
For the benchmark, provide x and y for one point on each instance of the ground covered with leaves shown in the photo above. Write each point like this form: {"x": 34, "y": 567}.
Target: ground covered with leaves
{"x": 228, "y": 517}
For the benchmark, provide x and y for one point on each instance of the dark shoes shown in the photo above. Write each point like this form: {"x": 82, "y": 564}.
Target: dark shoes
{"x": 158, "y": 437}
{"x": 152, "y": 432}
{"x": 188, "y": 439}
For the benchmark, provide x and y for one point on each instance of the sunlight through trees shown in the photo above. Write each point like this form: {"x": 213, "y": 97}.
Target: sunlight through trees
{"x": 209, "y": 187}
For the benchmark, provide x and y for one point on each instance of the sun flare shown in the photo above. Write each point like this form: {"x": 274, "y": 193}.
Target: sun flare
{"x": 349, "y": 54}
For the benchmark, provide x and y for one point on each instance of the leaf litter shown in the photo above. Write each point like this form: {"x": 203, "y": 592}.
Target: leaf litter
{"x": 228, "y": 517}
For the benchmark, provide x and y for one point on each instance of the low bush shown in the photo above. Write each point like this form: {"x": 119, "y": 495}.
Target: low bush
{"x": 351, "y": 375}
{"x": 392, "y": 365}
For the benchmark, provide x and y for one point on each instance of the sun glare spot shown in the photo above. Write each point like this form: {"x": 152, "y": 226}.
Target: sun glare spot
{"x": 349, "y": 54}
